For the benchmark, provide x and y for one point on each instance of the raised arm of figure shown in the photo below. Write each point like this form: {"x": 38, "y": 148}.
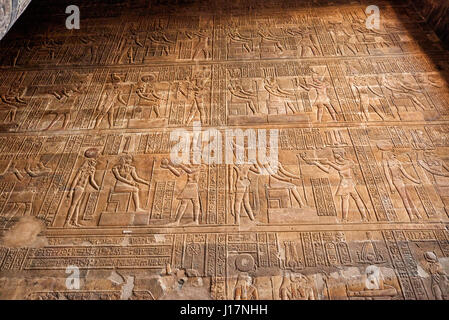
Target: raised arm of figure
{"x": 137, "y": 178}
{"x": 408, "y": 176}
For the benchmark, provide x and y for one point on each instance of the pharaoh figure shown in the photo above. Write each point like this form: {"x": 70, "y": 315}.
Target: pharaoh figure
{"x": 403, "y": 89}
{"x": 158, "y": 38}
{"x": 367, "y": 97}
{"x": 240, "y": 185}
{"x": 85, "y": 176}
{"x": 275, "y": 92}
{"x": 128, "y": 180}
{"x": 149, "y": 96}
{"x": 322, "y": 100}
{"x": 343, "y": 40}
{"x": 129, "y": 46}
{"x": 195, "y": 92}
{"x": 244, "y": 289}
{"x": 439, "y": 171}
{"x": 439, "y": 280}
{"x": 66, "y": 101}
{"x": 296, "y": 287}
{"x": 202, "y": 44}
{"x": 347, "y": 186}
{"x": 266, "y": 34}
{"x": 397, "y": 177}
{"x": 190, "y": 193}
{"x": 110, "y": 97}
{"x": 279, "y": 177}
{"x": 307, "y": 43}
{"x": 235, "y": 36}
{"x": 12, "y": 101}
{"x": 249, "y": 97}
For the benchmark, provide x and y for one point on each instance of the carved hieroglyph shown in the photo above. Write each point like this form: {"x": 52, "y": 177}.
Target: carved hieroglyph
{"x": 356, "y": 208}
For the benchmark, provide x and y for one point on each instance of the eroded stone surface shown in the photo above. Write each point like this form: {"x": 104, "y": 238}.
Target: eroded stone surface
{"x": 10, "y": 11}
{"x": 357, "y": 207}
{"x": 24, "y": 233}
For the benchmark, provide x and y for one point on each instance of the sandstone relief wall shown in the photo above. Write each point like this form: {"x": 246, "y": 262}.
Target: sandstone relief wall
{"x": 355, "y": 207}
{"x": 10, "y": 11}
{"x": 436, "y": 12}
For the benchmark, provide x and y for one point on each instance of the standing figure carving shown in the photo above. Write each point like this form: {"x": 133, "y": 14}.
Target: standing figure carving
{"x": 347, "y": 186}
{"x": 397, "y": 178}
{"x": 84, "y": 176}
{"x": 190, "y": 193}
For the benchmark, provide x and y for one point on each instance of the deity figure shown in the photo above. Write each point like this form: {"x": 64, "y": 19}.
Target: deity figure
{"x": 128, "y": 180}
{"x": 439, "y": 282}
{"x": 296, "y": 287}
{"x": 244, "y": 289}
{"x": 84, "y": 176}
{"x": 147, "y": 92}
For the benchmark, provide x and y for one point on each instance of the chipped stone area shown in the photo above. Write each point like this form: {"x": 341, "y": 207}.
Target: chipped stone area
{"x": 245, "y": 150}
{"x": 27, "y": 232}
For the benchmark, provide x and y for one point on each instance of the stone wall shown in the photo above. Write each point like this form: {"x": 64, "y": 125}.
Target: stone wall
{"x": 10, "y": 11}
{"x": 436, "y": 12}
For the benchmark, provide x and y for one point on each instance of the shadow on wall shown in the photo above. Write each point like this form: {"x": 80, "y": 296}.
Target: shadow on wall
{"x": 436, "y": 13}
{"x": 10, "y": 11}
{"x": 433, "y": 19}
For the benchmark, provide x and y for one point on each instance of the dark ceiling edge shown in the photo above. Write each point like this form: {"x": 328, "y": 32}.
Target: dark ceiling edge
{"x": 436, "y": 15}
{"x": 13, "y": 9}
